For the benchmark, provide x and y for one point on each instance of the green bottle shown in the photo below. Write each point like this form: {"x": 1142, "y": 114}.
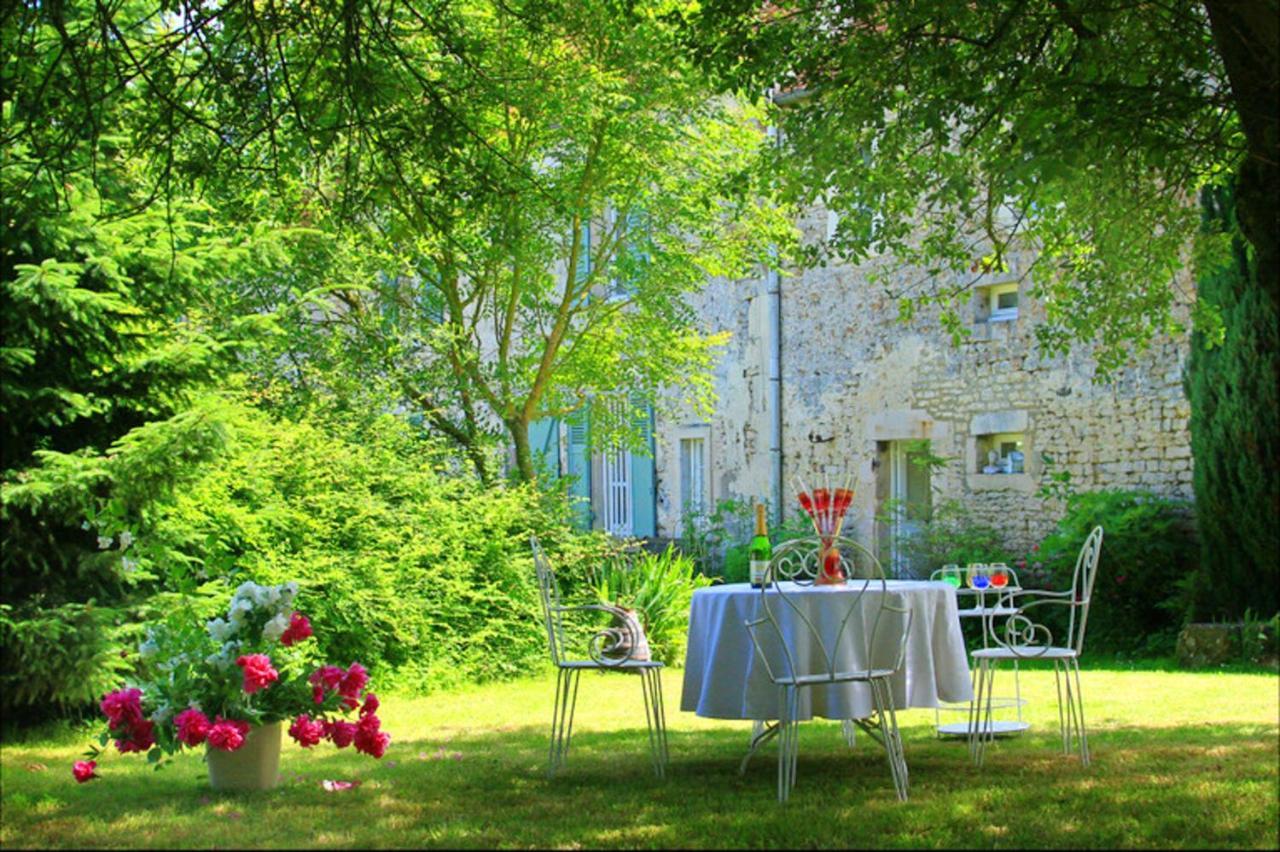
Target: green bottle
{"x": 760, "y": 550}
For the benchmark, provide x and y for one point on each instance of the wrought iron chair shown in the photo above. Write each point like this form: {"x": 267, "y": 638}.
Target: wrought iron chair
{"x": 1022, "y": 638}
{"x": 610, "y": 649}
{"x": 794, "y": 566}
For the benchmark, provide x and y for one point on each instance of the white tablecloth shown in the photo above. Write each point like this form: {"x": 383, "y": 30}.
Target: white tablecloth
{"x": 724, "y": 678}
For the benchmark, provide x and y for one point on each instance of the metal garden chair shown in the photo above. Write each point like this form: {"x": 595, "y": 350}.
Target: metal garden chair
{"x": 1022, "y": 638}
{"x": 794, "y": 566}
{"x": 610, "y": 649}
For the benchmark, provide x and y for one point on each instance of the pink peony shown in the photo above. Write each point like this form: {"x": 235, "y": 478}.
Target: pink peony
{"x": 141, "y": 736}
{"x": 341, "y": 733}
{"x": 83, "y": 770}
{"x": 306, "y": 731}
{"x": 371, "y": 705}
{"x": 373, "y": 743}
{"x": 258, "y": 673}
{"x": 327, "y": 677}
{"x": 299, "y": 628}
{"x": 353, "y": 682}
{"x": 193, "y": 726}
{"x": 123, "y": 708}
{"x": 228, "y": 734}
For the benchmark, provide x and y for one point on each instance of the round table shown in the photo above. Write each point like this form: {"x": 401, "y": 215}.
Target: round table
{"x": 724, "y": 678}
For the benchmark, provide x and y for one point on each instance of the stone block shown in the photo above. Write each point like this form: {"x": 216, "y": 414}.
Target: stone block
{"x": 1208, "y": 644}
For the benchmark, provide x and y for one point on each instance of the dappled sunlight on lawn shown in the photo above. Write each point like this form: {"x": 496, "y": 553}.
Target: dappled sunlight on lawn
{"x": 468, "y": 769}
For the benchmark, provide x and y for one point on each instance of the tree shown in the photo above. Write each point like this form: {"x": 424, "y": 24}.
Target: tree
{"x": 948, "y": 133}
{"x": 518, "y": 195}
{"x": 1233, "y": 414}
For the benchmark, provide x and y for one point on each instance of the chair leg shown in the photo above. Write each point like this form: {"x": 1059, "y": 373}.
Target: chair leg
{"x": 975, "y": 709}
{"x": 562, "y": 717}
{"x": 651, "y": 720}
{"x": 1084, "y": 736}
{"x": 888, "y": 723}
{"x": 1073, "y": 719}
{"x": 897, "y": 741}
{"x": 553, "y": 752}
{"x": 662, "y": 719}
{"x": 1062, "y": 719}
{"x": 849, "y": 730}
{"x": 787, "y": 741}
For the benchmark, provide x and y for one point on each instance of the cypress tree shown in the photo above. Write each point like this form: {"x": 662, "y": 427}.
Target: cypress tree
{"x": 1235, "y": 430}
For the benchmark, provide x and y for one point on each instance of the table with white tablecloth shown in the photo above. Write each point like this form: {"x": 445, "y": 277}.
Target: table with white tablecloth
{"x": 724, "y": 677}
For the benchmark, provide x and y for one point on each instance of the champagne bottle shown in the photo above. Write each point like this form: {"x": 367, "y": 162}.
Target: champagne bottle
{"x": 760, "y": 550}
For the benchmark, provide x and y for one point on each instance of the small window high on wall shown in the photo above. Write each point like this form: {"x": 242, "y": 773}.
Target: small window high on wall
{"x": 1002, "y": 452}
{"x": 1001, "y": 302}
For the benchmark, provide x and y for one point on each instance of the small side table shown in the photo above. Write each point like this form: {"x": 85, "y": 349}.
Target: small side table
{"x": 988, "y": 603}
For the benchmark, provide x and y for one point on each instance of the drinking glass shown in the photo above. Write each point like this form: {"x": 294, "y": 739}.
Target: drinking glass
{"x": 999, "y": 575}
{"x": 951, "y": 574}
{"x": 978, "y": 576}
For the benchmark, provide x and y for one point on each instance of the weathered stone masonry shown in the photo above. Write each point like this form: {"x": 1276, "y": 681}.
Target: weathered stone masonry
{"x": 853, "y": 376}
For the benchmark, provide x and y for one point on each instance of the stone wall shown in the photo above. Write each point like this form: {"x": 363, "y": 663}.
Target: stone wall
{"x": 854, "y": 376}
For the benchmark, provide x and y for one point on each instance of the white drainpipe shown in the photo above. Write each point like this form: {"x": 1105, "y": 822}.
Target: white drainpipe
{"x": 773, "y": 321}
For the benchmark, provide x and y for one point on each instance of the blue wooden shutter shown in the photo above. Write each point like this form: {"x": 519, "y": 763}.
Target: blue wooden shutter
{"x": 580, "y": 468}
{"x": 544, "y": 442}
{"x": 644, "y": 521}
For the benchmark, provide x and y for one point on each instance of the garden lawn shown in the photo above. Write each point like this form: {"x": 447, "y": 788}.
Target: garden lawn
{"x": 1179, "y": 760}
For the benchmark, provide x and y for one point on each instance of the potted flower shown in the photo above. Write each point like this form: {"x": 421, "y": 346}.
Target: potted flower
{"x": 230, "y": 685}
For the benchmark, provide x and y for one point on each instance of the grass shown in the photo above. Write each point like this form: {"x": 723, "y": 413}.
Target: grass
{"x": 1179, "y": 760}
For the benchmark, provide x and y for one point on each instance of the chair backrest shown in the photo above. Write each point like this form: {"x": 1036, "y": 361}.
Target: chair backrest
{"x": 1086, "y": 571}
{"x": 549, "y": 594}
{"x": 793, "y": 568}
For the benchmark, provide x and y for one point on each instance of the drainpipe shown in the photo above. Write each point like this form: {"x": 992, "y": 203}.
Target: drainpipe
{"x": 773, "y": 308}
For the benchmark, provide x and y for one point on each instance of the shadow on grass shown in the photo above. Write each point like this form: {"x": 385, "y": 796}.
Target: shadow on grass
{"x": 1202, "y": 785}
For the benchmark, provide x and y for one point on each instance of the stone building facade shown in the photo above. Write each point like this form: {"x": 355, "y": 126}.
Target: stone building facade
{"x": 821, "y": 381}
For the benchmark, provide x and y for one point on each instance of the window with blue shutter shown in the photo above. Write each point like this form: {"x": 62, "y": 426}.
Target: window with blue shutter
{"x": 544, "y": 443}
{"x": 644, "y": 494}
{"x": 579, "y": 468}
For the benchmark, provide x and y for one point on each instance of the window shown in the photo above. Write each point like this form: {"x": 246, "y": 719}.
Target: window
{"x": 1002, "y": 302}
{"x": 1002, "y": 452}
{"x": 693, "y": 465}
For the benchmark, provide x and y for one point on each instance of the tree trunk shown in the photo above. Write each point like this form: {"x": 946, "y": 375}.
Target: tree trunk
{"x": 519, "y": 429}
{"x": 1245, "y": 33}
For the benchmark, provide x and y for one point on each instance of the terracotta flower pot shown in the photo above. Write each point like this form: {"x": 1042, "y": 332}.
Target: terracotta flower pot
{"x": 253, "y": 766}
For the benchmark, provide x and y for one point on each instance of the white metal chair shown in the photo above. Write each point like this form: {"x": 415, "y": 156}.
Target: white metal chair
{"x": 794, "y": 565}
{"x": 610, "y": 649}
{"x": 1022, "y": 638}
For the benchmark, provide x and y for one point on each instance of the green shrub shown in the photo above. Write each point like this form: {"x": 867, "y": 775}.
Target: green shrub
{"x": 660, "y": 587}
{"x": 719, "y": 541}
{"x": 402, "y": 565}
{"x": 1149, "y": 552}
{"x": 947, "y": 532}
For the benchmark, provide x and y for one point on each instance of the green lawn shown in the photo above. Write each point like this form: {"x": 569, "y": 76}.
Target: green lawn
{"x": 1179, "y": 759}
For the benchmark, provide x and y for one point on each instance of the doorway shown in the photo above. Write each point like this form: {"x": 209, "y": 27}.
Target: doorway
{"x": 904, "y": 499}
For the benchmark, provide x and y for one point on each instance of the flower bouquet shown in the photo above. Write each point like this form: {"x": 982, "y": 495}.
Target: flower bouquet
{"x": 826, "y": 508}
{"x": 228, "y": 684}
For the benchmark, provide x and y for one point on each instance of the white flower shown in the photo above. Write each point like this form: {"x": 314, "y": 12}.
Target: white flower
{"x": 104, "y": 541}
{"x": 275, "y": 628}
{"x": 288, "y": 592}
{"x": 84, "y": 525}
{"x": 162, "y": 714}
{"x": 128, "y": 564}
{"x": 220, "y": 630}
{"x": 239, "y": 609}
{"x": 148, "y": 648}
{"x": 126, "y": 539}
